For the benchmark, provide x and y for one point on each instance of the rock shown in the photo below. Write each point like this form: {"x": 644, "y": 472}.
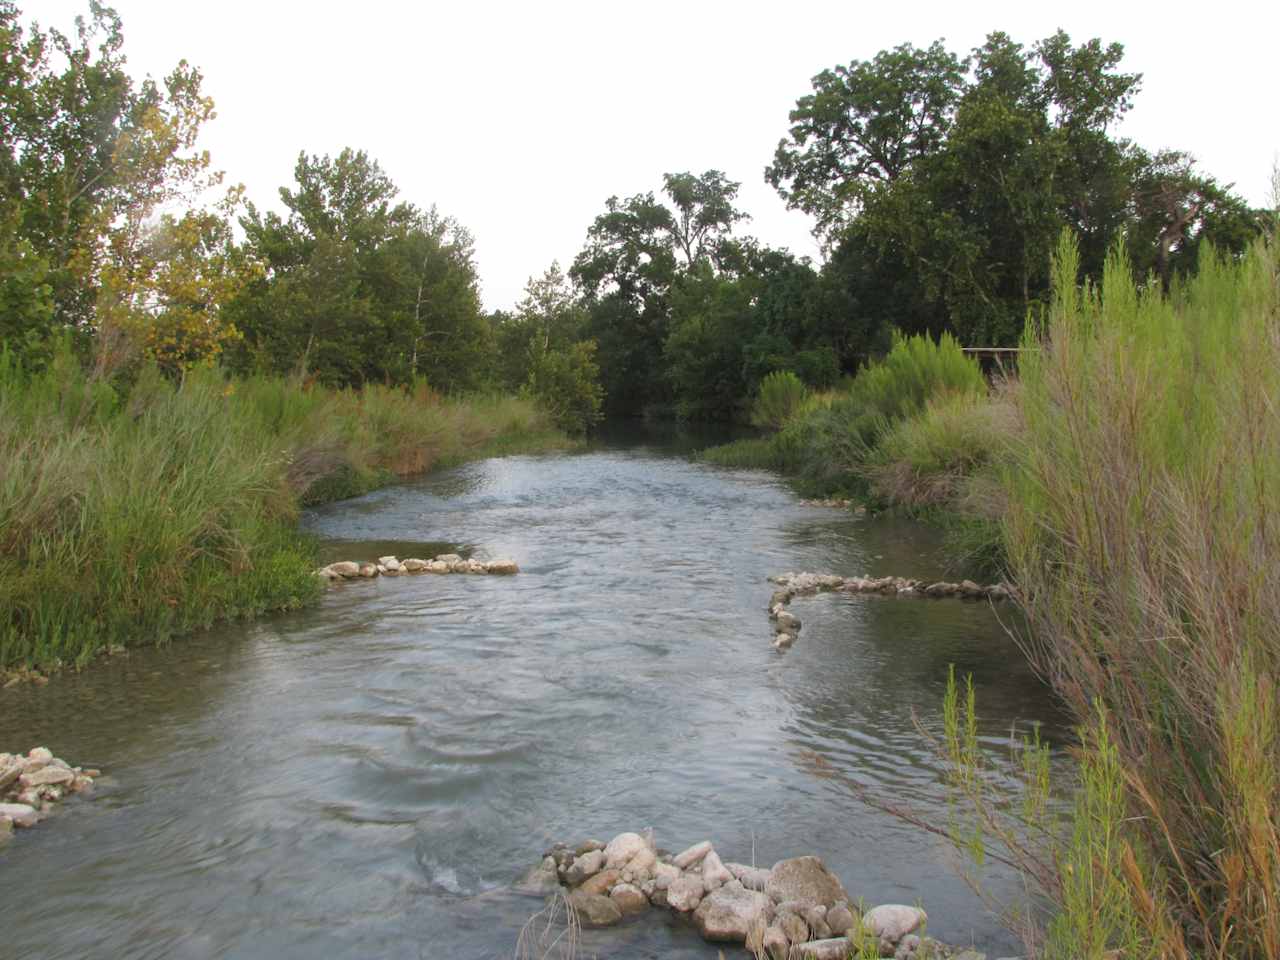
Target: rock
{"x": 684, "y": 893}
{"x": 796, "y": 930}
{"x": 594, "y": 910}
{"x": 29, "y": 796}
{"x": 472, "y": 566}
{"x": 38, "y": 757}
{"x": 816, "y": 917}
{"x": 622, "y": 848}
{"x": 368, "y": 570}
{"x": 940, "y": 589}
{"x": 641, "y": 866}
{"x": 687, "y": 858}
{"x": 345, "y": 569}
{"x": 970, "y": 589}
{"x": 588, "y": 846}
{"x": 753, "y": 878}
{"x": 908, "y": 948}
{"x": 587, "y": 865}
{"x": 438, "y": 566}
{"x": 22, "y": 814}
{"x": 602, "y": 882}
{"x": 714, "y": 873}
{"x": 46, "y": 776}
{"x": 448, "y": 558}
{"x": 501, "y": 566}
{"x": 391, "y": 563}
{"x": 805, "y": 878}
{"x": 893, "y": 921}
{"x": 413, "y": 565}
{"x": 729, "y": 912}
{"x": 998, "y": 592}
{"x": 836, "y": 948}
{"x": 776, "y": 945}
{"x": 659, "y": 897}
{"x": 783, "y": 641}
{"x": 664, "y": 873}
{"x": 541, "y": 880}
{"x": 840, "y": 919}
{"x": 10, "y": 771}
{"x": 787, "y": 622}
{"x": 629, "y": 899}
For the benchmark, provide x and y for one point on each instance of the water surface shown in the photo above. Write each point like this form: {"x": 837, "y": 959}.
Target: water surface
{"x": 365, "y": 778}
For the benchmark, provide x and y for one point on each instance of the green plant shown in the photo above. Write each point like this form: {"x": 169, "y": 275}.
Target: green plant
{"x": 781, "y": 395}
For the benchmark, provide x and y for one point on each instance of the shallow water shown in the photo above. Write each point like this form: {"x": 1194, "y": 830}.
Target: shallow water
{"x": 365, "y": 778}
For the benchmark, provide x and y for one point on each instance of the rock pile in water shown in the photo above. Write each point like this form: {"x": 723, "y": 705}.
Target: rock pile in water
{"x": 836, "y": 502}
{"x": 30, "y": 785}
{"x": 786, "y": 625}
{"x": 795, "y": 910}
{"x": 393, "y": 567}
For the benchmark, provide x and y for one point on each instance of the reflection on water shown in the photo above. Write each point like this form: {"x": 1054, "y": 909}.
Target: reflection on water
{"x": 363, "y": 779}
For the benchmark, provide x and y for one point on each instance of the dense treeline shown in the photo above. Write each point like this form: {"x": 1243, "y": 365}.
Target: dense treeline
{"x": 938, "y": 182}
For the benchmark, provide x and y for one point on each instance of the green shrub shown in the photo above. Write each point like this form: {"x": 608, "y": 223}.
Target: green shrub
{"x": 781, "y": 395}
{"x": 567, "y": 384}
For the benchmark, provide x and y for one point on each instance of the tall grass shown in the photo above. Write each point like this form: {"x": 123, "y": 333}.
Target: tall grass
{"x": 1143, "y": 528}
{"x": 129, "y": 516}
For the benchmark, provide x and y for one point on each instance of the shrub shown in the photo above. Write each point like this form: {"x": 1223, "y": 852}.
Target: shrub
{"x": 566, "y": 382}
{"x": 781, "y": 395}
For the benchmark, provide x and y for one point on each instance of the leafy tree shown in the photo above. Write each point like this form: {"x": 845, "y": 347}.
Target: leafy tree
{"x": 635, "y": 251}
{"x": 86, "y": 159}
{"x": 360, "y": 287}
{"x": 566, "y": 381}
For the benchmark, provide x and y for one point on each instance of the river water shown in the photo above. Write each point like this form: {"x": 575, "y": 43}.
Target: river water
{"x": 365, "y": 778}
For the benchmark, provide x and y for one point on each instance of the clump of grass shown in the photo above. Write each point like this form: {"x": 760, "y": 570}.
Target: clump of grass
{"x": 1143, "y": 528}
{"x": 131, "y": 514}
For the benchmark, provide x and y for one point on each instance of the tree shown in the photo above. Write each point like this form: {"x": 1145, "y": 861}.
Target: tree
{"x": 635, "y": 251}
{"x": 359, "y": 286}
{"x": 863, "y": 127}
{"x": 86, "y": 160}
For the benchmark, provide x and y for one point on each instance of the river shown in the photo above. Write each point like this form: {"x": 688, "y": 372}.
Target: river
{"x": 363, "y": 779}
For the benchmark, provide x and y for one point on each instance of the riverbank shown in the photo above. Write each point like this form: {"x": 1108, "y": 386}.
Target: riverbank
{"x": 132, "y": 515}
{"x": 1126, "y": 485}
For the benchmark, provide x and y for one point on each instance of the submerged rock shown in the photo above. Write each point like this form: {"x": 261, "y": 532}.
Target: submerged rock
{"x": 629, "y": 899}
{"x": 541, "y": 880}
{"x": 20, "y": 814}
{"x": 602, "y": 882}
{"x": 502, "y": 566}
{"x": 594, "y": 910}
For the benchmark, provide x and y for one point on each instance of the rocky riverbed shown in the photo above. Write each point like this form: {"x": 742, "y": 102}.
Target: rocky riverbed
{"x": 30, "y": 785}
{"x": 795, "y": 910}
{"x": 786, "y": 625}
{"x": 394, "y": 567}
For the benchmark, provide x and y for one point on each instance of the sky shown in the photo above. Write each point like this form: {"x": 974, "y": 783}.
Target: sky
{"x": 520, "y": 120}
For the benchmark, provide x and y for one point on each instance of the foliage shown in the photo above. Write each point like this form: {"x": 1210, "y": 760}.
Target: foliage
{"x": 86, "y": 161}
{"x": 360, "y": 288}
{"x": 129, "y": 516}
{"x": 941, "y": 183}
{"x": 566, "y": 383}
{"x": 1141, "y": 530}
{"x": 781, "y": 395}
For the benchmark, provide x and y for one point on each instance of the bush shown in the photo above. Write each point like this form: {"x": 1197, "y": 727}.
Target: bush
{"x": 781, "y": 395}
{"x": 566, "y": 382}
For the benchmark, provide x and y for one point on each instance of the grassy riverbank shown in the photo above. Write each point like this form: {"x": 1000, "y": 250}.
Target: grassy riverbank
{"x": 1129, "y": 483}
{"x": 128, "y": 516}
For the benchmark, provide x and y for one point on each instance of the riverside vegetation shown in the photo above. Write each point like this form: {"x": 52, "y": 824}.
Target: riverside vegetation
{"x": 173, "y": 389}
{"x": 1126, "y": 481}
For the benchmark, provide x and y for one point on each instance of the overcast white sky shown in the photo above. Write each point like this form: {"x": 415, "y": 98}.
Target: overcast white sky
{"x": 521, "y": 119}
